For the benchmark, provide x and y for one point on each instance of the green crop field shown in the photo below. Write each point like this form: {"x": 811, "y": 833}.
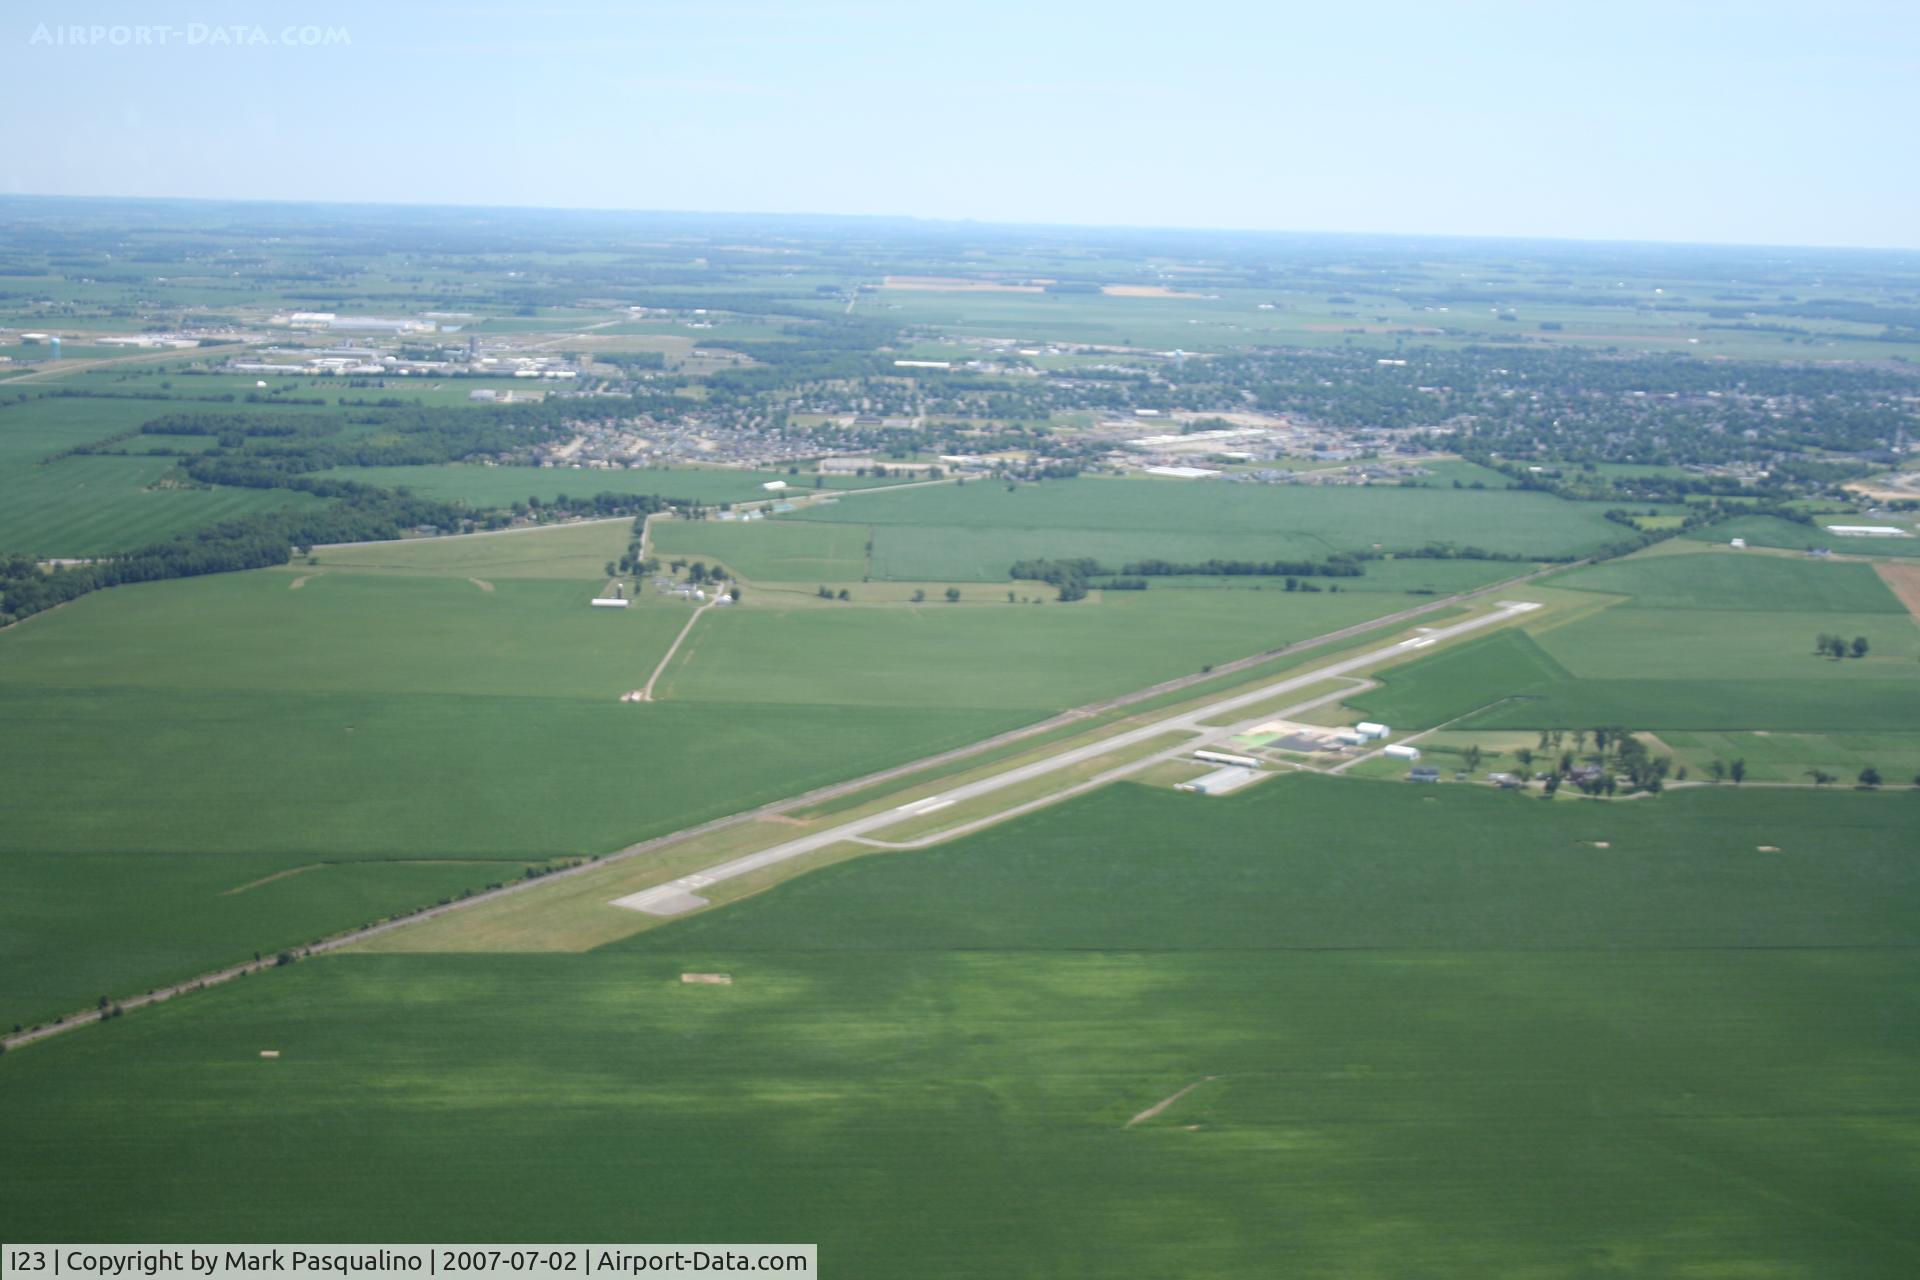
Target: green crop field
{"x": 1703, "y": 642}
{"x": 974, "y": 532}
{"x": 1772, "y": 756}
{"x": 95, "y": 506}
{"x": 1769, "y": 584}
{"x": 1014, "y": 656}
{"x": 378, "y": 705}
{"x": 1486, "y": 1049}
{"x": 86, "y": 506}
{"x": 769, "y": 550}
{"x": 454, "y": 698}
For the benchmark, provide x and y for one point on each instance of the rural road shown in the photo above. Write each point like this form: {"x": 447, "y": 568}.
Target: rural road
{"x": 681, "y": 895}
{"x": 646, "y": 690}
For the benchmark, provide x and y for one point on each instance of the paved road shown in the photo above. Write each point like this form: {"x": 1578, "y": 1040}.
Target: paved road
{"x": 682, "y": 895}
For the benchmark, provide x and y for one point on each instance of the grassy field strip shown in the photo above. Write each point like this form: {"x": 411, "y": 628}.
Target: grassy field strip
{"x": 1184, "y": 694}
{"x": 950, "y": 817}
{"x": 934, "y": 777}
{"x": 685, "y": 894}
{"x": 571, "y": 914}
{"x": 794, "y": 858}
{"x": 1341, "y": 685}
{"x": 761, "y": 862}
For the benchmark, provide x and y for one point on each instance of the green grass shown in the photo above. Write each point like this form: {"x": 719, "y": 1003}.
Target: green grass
{"x": 1460, "y": 679}
{"x": 456, "y": 698}
{"x": 388, "y": 708}
{"x": 1786, "y": 757}
{"x": 1710, "y": 644}
{"x": 1362, "y": 864}
{"x": 1767, "y": 584}
{"x": 1047, "y": 656}
{"x": 86, "y": 506}
{"x": 98, "y": 505}
{"x": 1489, "y": 1049}
{"x": 975, "y": 532}
{"x": 768, "y": 550}
{"x": 1660, "y": 662}
{"x": 574, "y": 551}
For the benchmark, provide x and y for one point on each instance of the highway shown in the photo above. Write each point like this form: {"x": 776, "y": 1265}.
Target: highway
{"x": 682, "y": 895}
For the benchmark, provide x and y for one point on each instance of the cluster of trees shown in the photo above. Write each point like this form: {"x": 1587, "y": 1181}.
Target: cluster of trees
{"x": 1069, "y": 576}
{"x": 1837, "y": 647}
{"x": 1615, "y": 753}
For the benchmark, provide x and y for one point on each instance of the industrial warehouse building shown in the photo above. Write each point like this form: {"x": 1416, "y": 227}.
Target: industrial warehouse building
{"x": 1221, "y": 781}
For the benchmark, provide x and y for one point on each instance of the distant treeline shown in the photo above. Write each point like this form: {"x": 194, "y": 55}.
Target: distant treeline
{"x": 1333, "y": 567}
{"x": 1074, "y": 577}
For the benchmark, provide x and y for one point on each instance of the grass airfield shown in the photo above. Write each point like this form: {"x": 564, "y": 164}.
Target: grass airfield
{"x": 451, "y": 706}
{"x": 1374, "y": 1029}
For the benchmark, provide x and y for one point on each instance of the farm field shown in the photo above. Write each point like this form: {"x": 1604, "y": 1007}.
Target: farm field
{"x": 974, "y": 532}
{"x": 1716, "y": 642}
{"x": 1049, "y": 656}
{"x": 382, "y": 705}
{"x": 455, "y": 698}
{"x": 1494, "y": 1050}
{"x": 1767, "y": 584}
{"x": 769, "y": 550}
{"x": 1772, "y": 756}
{"x": 97, "y": 505}
{"x": 810, "y": 551}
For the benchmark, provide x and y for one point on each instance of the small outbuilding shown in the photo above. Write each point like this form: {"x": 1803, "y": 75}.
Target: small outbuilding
{"x": 1401, "y": 751}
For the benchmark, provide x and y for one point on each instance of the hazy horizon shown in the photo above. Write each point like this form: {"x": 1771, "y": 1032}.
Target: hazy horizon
{"x": 1712, "y": 124}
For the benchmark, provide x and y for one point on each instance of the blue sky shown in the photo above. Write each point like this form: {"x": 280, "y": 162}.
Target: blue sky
{"x": 1753, "y": 122}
